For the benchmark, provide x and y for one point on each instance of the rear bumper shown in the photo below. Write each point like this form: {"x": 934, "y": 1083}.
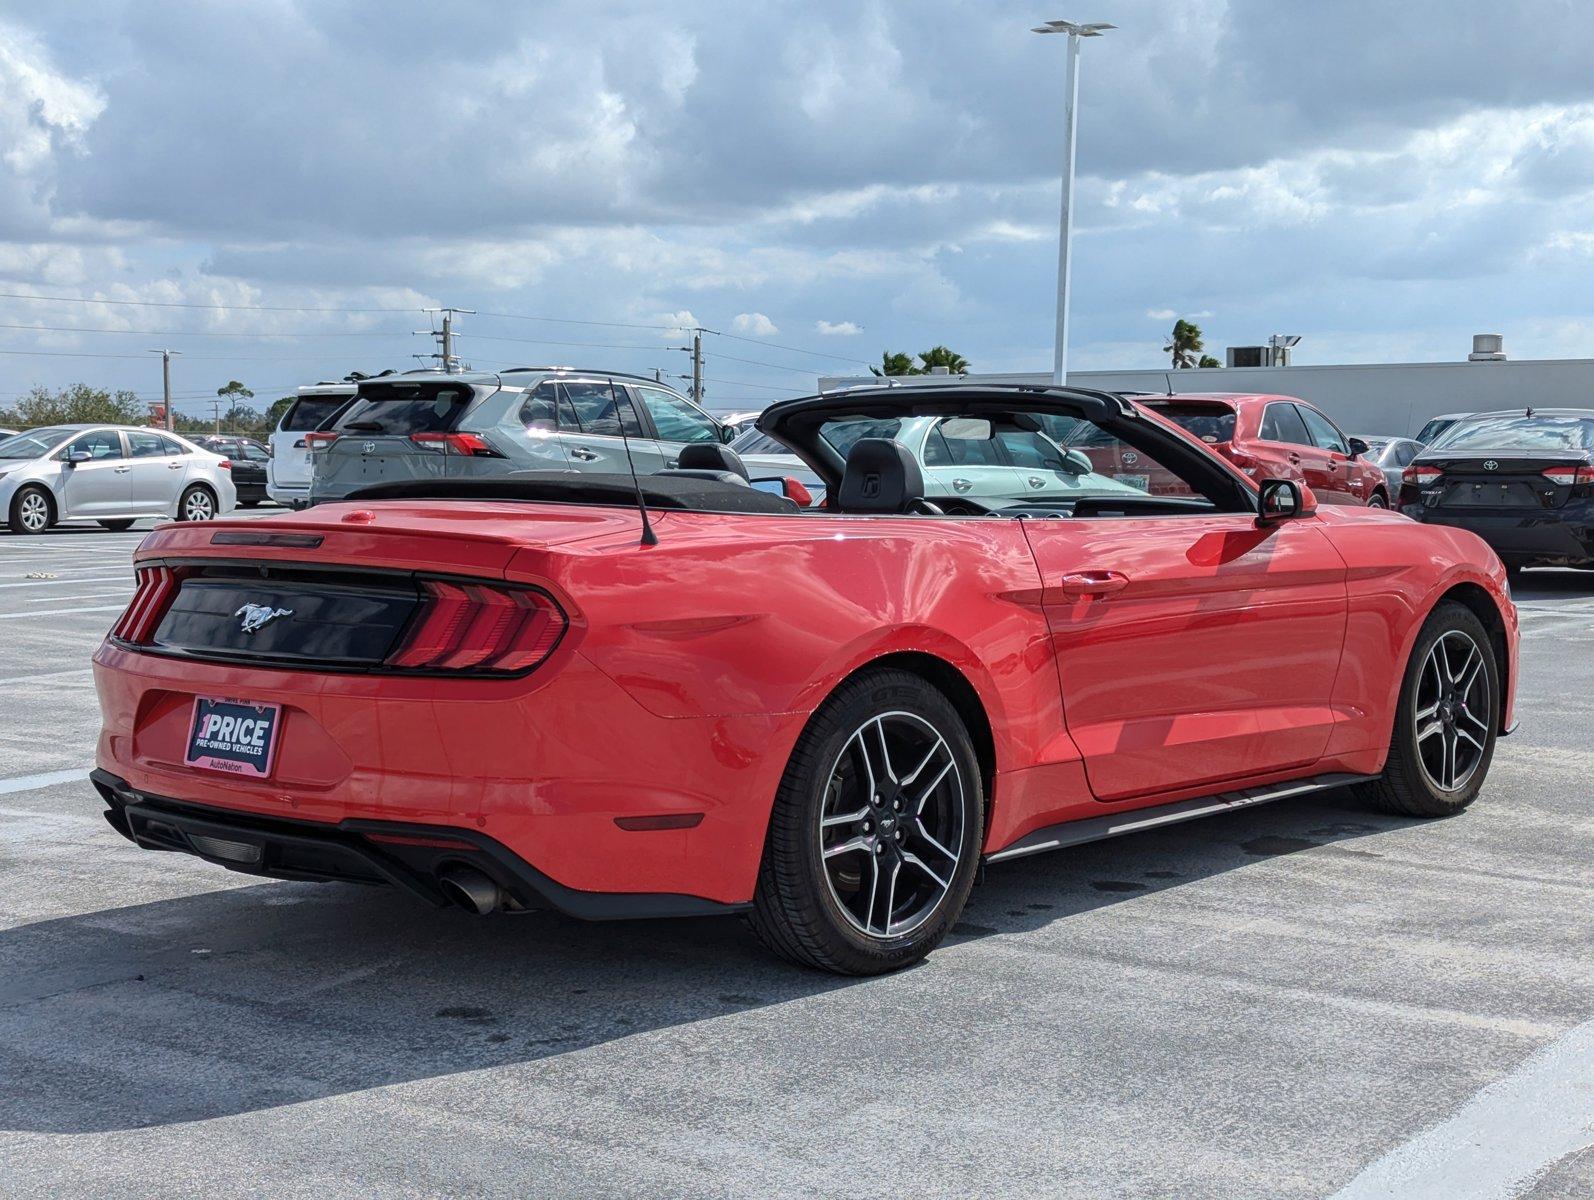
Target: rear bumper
{"x": 1537, "y": 536}
{"x": 400, "y": 855}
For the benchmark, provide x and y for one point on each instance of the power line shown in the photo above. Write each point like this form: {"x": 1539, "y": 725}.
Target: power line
{"x": 768, "y": 387}
{"x": 754, "y": 362}
{"x": 221, "y": 307}
{"x": 794, "y": 349}
{"x": 576, "y": 321}
{"x": 204, "y": 333}
{"x": 485, "y": 337}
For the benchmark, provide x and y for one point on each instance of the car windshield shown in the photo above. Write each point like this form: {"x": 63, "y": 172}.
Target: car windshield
{"x": 754, "y": 442}
{"x": 1016, "y": 458}
{"x": 33, "y": 443}
{"x": 1210, "y": 422}
{"x": 308, "y": 412}
{"x": 1518, "y": 431}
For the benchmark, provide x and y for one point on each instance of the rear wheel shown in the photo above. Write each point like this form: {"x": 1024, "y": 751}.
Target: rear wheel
{"x": 1378, "y": 500}
{"x": 875, "y": 834}
{"x": 1446, "y": 720}
{"x": 117, "y": 526}
{"x": 197, "y": 504}
{"x": 31, "y": 510}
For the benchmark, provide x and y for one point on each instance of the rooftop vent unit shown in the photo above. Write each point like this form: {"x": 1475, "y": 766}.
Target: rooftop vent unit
{"x": 1487, "y": 347}
{"x": 1246, "y": 356}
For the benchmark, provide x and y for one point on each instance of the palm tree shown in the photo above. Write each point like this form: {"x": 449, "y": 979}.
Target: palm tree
{"x": 1208, "y": 361}
{"x": 895, "y": 364}
{"x": 1185, "y": 344}
{"x": 940, "y": 356}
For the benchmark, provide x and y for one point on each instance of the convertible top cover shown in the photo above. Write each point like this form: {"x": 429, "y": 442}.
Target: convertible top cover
{"x": 573, "y": 487}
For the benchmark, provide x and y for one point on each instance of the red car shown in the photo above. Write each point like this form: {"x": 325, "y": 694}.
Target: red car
{"x": 1279, "y": 437}
{"x": 530, "y": 692}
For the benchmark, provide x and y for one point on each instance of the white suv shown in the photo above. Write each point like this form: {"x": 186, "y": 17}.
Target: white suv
{"x": 288, "y": 472}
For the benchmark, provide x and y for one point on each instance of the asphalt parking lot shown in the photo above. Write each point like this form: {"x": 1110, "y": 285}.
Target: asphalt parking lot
{"x": 1285, "y": 1001}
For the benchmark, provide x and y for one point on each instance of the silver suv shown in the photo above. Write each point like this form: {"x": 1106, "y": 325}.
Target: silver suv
{"x": 425, "y": 425}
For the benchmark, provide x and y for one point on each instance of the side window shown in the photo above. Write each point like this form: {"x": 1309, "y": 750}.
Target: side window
{"x": 173, "y": 448}
{"x": 969, "y": 451}
{"x": 676, "y": 419}
{"x": 1281, "y": 423}
{"x": 597, "y": 408}
{"x": 539, "y": 410}
{"x": 936, "y": 452}
{"x": 1324, "y": 435}
{"x": 103, "y": 443}
{"x": 145, "y": 445}
{"x": 1032, "y": 450}
{"x": 254, "y": 453}
{"x": 1404, "y": 453}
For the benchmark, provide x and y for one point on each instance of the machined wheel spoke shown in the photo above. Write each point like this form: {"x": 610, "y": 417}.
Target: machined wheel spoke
{"x": 918, "y": 808}
{"x": 1448, "y": 770}
{"x": 1463, "y": 734}
{"x": 1429, "y": 713}
{"x": 1474, "y": 719}
{"x": 885, "y": 752}
{"x": 891, "y": 898}
{"x": 924, "y": 834}
{"x": 940, "y": 744}
{"x": 914, "y": 860}
{"x": 845, "y": 818}
{"x": 1429, "y": 730}
{"x": 846, "y": 847}
{"x": 874, "y": 888}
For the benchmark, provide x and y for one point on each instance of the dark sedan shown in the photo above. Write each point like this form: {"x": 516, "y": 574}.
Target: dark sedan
{"x": 248, "y": 458}
{"x": 1522, "y": 480}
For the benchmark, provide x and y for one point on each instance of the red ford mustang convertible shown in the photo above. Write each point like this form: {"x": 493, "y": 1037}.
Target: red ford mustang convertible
{"x": 685, "y": 695}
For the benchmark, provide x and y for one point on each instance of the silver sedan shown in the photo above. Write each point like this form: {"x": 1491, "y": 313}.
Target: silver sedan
{"x": 113, "y": 474}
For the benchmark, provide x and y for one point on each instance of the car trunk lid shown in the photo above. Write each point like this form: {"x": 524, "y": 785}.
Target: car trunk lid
{"x": 1503, "y": 479}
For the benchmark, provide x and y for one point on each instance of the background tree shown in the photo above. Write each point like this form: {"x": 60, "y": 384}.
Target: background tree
{"x": 906, "y": 364}
{"x": 73, "y": 405}
{"x": 1185, "y": 344}
{"x": 940, "y": 356}
{"x": 235, "y": 392}
{"x": 1208, "y": 361}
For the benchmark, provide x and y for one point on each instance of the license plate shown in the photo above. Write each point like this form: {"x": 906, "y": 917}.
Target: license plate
{"x": 235, "y": 736}
{"x": 1141, "y": 482}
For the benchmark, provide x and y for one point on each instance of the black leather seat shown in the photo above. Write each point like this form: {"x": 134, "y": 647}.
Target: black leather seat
{"x": 711, "y": 456}
{"x": 881, "y": 476}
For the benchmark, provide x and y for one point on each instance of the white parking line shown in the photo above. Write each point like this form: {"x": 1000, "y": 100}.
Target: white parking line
{"x": 124, "y": 592}
{"x": 38, "y": 583}
{"x": 28, "y": 783}
{"x": 58, "y": 612}
{"x": 1510, "y": 1132}
{"x": 83, "y": 570}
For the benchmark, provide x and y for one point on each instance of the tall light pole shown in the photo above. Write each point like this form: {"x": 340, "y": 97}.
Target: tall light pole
{"x": 1066, "y": 232}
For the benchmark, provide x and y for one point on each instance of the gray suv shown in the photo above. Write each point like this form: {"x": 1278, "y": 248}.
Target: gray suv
{"x": 425, "y": 425}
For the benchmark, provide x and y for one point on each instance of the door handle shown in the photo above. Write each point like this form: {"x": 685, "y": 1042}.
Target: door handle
{"x": 123, "y": 470}
{"x": 961, "y": 485}
{"x": 583, "y": 454}
{"x": 176, "y": 466}
{"x": 1294, "y": 457}
{"x": 1093, "y": 583}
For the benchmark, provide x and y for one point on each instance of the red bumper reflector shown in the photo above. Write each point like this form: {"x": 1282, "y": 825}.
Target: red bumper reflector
{"x": 666, "y": 821}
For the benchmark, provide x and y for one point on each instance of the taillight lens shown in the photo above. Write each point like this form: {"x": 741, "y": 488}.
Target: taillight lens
{"x": 225, "y": 464}
{"x": 1251, "y": 465}
{"x": 1569, "y": 476}
{"x": 472, "y": 445}
{"x": 156, "y": 587}
{"x": 316, "y": 440}
{"x": 480, "y": 627}
{"x": 1419, "y": 475}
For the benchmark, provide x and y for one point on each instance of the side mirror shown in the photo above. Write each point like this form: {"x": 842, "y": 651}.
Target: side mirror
{"x": 786, "y": 485}
{"x": 1358, "y": 447}
{"x": 1284, "y": 500}
{"x": 1077, "y": 462}
{"x": 73, "y": 457}
{"x": 727, "y": 434}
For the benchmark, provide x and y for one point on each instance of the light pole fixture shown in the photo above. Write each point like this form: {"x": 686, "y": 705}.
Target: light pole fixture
{"x": 1066, "y": 230}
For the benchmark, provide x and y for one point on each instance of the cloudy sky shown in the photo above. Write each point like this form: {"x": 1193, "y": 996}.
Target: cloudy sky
{"x": 820, "y": 177}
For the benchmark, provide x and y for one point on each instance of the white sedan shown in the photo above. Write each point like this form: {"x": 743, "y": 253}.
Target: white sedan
{"x": 113, "y": 474}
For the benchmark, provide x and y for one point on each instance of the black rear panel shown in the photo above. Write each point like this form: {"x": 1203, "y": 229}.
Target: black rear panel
{"x": 1504, "y": 480}
{"x": 330, "y": 618}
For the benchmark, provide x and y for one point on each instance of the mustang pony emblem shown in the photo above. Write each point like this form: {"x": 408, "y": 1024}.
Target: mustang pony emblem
{"x": 258, "y": 616}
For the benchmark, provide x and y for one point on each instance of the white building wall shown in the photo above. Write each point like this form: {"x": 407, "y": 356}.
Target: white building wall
{"x": 1367, "y": 400}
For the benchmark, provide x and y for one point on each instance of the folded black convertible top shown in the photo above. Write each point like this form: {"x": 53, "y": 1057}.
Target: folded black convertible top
{"x": 573, "y": 487}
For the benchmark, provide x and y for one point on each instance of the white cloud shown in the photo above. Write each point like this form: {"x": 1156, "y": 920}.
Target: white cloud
{"x": 838, "y": 328}
{"x": 1161, "y": 314}
{"x": 680, "y": 324}
{"x": 754, "y": 324}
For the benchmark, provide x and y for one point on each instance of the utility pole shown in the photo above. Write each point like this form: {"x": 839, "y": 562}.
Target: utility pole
{"x": 166, "y": 382}
{"x": 445, "y": 338}
{"x": 697, "y": 366}
{"x": 1066, "y": 224}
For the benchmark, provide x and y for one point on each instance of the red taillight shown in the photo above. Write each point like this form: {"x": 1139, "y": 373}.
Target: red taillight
{"x": 155, "y": 588}
{"x": 479, "y": 627}
{"x": 468, "y": 444}
{"x": 316, "y": 440}
{"x": 1248, "y": 463}
{"x": 225, "y": 464}
{"x": 1419, "y": 475}
{"x": 1569, "y": 476}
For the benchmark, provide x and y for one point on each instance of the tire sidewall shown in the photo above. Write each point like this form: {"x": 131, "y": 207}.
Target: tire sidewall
{"x": 15, "y": 515}
{"x": 833, "y": 727}
{"x": 1446, "y": 618}
{"x": 182, "y": 503}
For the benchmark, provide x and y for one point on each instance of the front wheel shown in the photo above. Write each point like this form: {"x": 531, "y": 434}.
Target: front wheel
{"x": 31, "y": 511}
{"x": 1445, "y": 721}
{"x": 197, "y": 504}
{"x": 1377, "y": 500}
{"x": 875, "y": 835}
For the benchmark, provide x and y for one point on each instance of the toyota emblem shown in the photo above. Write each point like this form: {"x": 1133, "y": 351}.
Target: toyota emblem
{"x": 367, "y": 447}
{"x": 1130, "y": 458}
{"x": 1491, "y": 465}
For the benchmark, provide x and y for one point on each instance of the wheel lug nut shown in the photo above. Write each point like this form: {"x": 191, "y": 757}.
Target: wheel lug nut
{"x": 866, "y": 826}
{"x": 879, "y": 849}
